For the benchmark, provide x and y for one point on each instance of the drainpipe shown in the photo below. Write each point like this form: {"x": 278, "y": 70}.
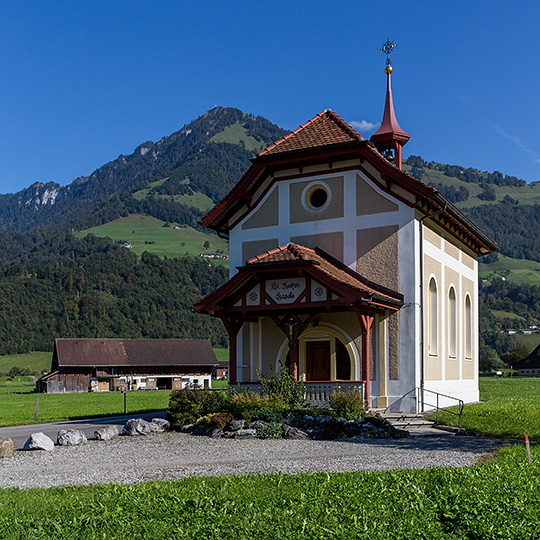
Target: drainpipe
{"x": 422, "y": 362}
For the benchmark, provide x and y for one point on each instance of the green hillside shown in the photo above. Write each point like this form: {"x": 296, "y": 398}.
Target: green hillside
{"x": 519, "y": 271}
{"x": 146, "y": 233}
{"x": 237, "y": 133}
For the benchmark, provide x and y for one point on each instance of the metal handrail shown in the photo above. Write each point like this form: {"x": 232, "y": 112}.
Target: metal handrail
{"x": 461, "y": 403}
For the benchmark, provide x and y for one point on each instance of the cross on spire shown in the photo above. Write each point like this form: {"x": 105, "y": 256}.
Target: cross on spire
{"x": 387, "y": 48}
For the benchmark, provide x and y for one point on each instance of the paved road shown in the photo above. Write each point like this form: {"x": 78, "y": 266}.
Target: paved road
{"x": 19, "y": 434}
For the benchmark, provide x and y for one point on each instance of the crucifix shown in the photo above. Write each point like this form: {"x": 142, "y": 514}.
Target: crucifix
{"x": 387, "y": 48}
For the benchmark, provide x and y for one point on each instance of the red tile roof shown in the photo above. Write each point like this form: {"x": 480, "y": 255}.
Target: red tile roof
{"x": 325, "y": 129}
{"x": 325, "y": 264}
{"x": 134, "y": 352}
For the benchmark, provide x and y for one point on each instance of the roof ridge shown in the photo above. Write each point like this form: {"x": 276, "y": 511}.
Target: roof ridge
{"x": 328, "y": 113}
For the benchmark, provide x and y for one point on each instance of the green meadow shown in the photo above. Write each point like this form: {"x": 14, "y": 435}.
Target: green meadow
{"x": 35, "y": 361}
{"x": 509, "y": 408}
{"x": 521, "y": 271}
{"x": 146, "y": 233}
{"x": 17, "y": 409}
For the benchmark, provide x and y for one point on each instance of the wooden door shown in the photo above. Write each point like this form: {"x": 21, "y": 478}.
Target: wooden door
{"x": 318, "y": 360}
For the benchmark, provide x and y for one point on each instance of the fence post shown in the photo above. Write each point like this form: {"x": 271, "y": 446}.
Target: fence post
{"x": 125, "y": 402}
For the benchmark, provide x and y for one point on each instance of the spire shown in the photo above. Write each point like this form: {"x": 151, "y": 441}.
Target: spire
{"x": 390, "y": 138}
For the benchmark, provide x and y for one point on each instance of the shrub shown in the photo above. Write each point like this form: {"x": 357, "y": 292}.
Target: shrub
{"x": 187, "y": 405}
{"x": 245, "y": 404}
{"x": 269, "y": 415}
{"x": 217, "y": 420}
{"x": 270, "y": 430}
{"x": 348, "y": 403}
{"x": 286, "y": 386}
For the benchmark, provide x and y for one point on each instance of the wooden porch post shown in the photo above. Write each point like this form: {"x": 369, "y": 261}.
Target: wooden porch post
{"x": 233, "y": 327}
{"x": 365, "y": 321}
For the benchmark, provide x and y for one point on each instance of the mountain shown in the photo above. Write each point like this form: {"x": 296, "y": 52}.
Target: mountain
{"x": 206, "y": 156}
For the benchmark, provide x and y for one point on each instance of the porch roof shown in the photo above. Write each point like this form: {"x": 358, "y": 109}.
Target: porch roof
{"x": 347, "y": 289}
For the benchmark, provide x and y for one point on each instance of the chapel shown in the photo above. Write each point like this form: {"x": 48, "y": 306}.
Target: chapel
{"x": 349, "y": 272}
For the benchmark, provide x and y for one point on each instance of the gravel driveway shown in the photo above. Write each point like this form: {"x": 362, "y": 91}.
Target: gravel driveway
{"x": 167, "y": 456}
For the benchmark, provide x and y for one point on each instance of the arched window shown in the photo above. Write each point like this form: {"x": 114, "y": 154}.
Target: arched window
{"x": 452, "y": 323}
{"x": 468, "y": 328}
{"x": 433, "y": 318}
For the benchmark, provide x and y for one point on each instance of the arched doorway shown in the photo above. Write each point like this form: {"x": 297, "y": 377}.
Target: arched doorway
{"x": 325, "y": 354}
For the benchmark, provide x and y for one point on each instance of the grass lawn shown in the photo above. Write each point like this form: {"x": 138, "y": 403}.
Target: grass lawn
{"x": 510, "y": 408}
{"x": 36, "y": 361}
{"x": 17, "y": 384}
{"x": 498, "y": 499}
{"x": 19, "y": 409}
{"x": 146, "y": 233}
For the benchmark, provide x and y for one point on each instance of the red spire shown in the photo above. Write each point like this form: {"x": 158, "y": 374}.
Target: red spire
{"x": 390, "y": 136}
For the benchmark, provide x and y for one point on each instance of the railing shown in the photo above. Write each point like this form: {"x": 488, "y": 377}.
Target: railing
{"x": 421, "y": 398}
{"x": 317, "y": 393}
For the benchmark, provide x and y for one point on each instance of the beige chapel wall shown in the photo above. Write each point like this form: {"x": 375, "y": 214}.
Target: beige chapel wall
{"x": 335, "y": 208}
{"x": 332, "y": 243}
{"x": 378, "y": 255}
{"x": 257, "y": 247}
{"x": 267, "y": 215}
{"x": 369, "y": 201}
{"x": 451, "y": 277}
{"x": 468, "y": 365}
{"x": 432, "y": 363}
{"x": 272, "y": 339}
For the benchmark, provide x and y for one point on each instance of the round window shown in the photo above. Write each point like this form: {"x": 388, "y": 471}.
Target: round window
{"x": 316, "y": 197}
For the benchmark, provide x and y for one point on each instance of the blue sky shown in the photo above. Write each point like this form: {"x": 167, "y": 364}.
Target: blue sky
{"x": 83, "y": 82}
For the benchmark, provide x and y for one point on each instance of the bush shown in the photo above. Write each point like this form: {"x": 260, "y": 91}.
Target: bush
{"x": 348, "y": 403}
{"x": 187, "y": 406}
{"x": 270, "y": 430}
{"x": 217, "y": 420}
{"x": 286, "y": 386}
{"x": 245, "y": 404}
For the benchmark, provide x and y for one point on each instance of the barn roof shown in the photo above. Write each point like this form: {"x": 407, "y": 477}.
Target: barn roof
{"x": 133, "y": 352}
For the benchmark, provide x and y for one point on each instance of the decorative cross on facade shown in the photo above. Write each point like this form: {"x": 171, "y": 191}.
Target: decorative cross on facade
{"x": 387, "y": 49}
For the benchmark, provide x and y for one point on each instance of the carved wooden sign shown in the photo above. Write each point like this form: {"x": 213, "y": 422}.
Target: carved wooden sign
{"x": 285, "y": 291}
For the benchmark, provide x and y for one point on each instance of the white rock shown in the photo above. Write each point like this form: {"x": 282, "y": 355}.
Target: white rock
{"x": 106, "y": 433}
{"x": 160, "y": 424}
{"x": 38, "y": 441}
{"x": 70, "y": 437}
{"x": 137, "y": 426}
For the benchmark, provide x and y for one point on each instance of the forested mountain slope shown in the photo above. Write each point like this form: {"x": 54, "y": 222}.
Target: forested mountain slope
{"x": 207, "y": 155}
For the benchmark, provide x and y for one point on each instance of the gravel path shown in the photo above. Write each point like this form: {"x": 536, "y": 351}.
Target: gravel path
{"x": 166, "y": 456}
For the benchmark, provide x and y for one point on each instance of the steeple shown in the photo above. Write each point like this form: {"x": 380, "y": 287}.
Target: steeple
{"x": 390, "y": 138}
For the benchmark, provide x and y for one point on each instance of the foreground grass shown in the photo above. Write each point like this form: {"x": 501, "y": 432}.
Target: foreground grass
{"x": 510, "y": 408}
{"x": 18, "y": 409}
{"x": 499, "y": 499}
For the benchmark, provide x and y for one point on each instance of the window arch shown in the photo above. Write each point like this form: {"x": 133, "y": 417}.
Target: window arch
{"x": 452, "y": 323}
{"x": 433, "y": 318}
{"x": 468, "y": 328}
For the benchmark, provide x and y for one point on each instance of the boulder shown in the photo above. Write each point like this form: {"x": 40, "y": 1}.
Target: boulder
{"x": 38, "y": 441}
{"x": 70, "y": 437}
{"x": 291, "y": 432}
{"x": 160, "y": 424}
{"x": 245, "y": 434}
{"x": 106, "y": 433}
{"x": 137, "y": 426}
{"x": 235, "y": 425}
{"x": 6, "y": 447}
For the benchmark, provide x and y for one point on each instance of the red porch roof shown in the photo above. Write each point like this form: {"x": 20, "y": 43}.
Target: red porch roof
{"x": 349, "y": 287}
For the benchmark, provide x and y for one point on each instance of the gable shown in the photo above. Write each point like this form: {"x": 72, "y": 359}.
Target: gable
{"x": 369, "y": 201}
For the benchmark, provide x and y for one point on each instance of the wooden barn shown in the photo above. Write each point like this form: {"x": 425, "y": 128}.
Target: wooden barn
{"x": 99, "y": 365}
